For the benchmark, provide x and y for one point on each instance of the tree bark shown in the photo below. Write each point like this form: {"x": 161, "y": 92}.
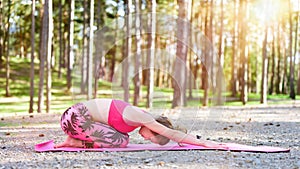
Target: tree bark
{"x": 1, "y": 34}
{"x": 43, "y": 56}
{"x": 179, "y": 81}
{"x": 295, "y": 50}
{"x": 7, "y": 67}
{"x": 278, "y": 70}
{"x": 191, "y": 72}
{"x": 204, "y": 71}
{"x": 138, "y": 55}
{"x": 49, "y": 50}
{"x": 151, "y": 53}
{"x": 60, "y": 34}
{"x": 128, "y": 20}
{"x": 264, "y": 83}
{"x": 292, "y": 69}
{"x": 31, "y": 93}
{"x": 219, "y": 76}
{"x": 84, "y": 57}
{"x": 285, "y": 67}
{"x": 114, "y": 50}
{"x": 99, "y": 54}
{"x": 70, "y": 44}
{"x": 90, "y": 57}
{"x": 244, "y": 51}
{"x": 273, "y": 64}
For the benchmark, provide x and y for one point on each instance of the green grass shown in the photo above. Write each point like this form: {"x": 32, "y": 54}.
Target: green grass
{"x": 61, "y": 98}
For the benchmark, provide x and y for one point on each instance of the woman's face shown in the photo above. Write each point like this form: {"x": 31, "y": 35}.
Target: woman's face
{"x": 148, "y": 135}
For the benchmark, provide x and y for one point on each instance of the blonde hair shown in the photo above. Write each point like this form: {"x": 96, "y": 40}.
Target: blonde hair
{"x": 162, "y": 140}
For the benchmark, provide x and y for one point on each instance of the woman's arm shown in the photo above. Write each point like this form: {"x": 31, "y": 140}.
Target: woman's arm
{"x": 181, "y": 137}
{"x": 136, "y": 115}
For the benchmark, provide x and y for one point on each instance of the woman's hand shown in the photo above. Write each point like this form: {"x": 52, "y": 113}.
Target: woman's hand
{"x": 212, "y": 144}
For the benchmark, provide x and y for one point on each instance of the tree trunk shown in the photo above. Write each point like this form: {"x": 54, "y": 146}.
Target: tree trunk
{"x": 138, "y": 55}
{"x": 264, "y": 83}
{"x": 151, "y": 53}
{"x": 244, "y": 51}
{"x": 295, "y": 49}
{"x": 273, "y": 64}
{"x": 31, "y": 93}
{"x": 60, "y": 34}
{"x": 90, "y": 57}
{"x": 1, "y": 34}
{"x": 190, "y": 72}
{"x": 179, "y": 81}
{"x": 43, "y": 55}
{"x": 279, "y": 73}
{"x": 99, "y": 54}
{"x": 285, "y": 67}
{"x": 7, "y": 67}
{"x": 204, "y": 74}
{"x": 292, "y": 71}
{"x": 219, "y": 76}
{"x": 70, "y": 43}
{"x": 48, "y": 52}
{"x": 114, "y": 50}
{"x": 84, "y": 49}
{"x": 128, "y": 20}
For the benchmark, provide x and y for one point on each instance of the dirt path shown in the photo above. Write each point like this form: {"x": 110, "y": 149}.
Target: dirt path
{"x": 263, "y": 125}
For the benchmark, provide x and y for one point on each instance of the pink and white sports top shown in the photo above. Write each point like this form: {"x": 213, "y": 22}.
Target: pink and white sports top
{"x": 98, "y": 107}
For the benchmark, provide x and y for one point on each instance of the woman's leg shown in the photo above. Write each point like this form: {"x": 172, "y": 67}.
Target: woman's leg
{"x": 78, "y": 124}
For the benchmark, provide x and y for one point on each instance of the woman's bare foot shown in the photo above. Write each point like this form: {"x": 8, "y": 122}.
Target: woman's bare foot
{"x": 70, "y": 142}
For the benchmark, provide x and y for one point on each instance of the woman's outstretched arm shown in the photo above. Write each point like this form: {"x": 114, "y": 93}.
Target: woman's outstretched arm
{"x": 181, "y": 137}
{"x": 136, "y": 115}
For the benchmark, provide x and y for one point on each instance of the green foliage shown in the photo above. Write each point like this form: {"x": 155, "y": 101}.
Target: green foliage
{"x": 61, "y": 98}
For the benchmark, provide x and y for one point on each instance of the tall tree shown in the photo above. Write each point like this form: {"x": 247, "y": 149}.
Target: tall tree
{"x": 7, "y": 38}
{"x": 43, "y": 54}
{"x": 125, "y": 65}
{"x": 208, "y": 33}
{"x": 284, "y": 84}
{"x": 84, "y": 49}
{"x": 264, "y": 84}
{"x": 234, "y": 81}
{"x": 295, "y": 47}
{"x": 179, "y": 81}
{"x": 273, "y": 63}
{"x": 219, "y": 76}
{"x": 113, "y": 52}
{"x": 190, "y": 56}
{"x": 32, "y": 57}
{"x": 244, "y": 50}
{"x": 1, "y": 33}
{"x": 60, "y": 34}
{"x": 279, "y": 60}
{"x": 151, "y": 52}
{"x": 90, "y": 57}
{"x": 292, "y": 69}
{"x": 138, "y": 54}
{"x": 70, "y": 43}
{"x": 99, "y": 54}
{"x": 49, "y": 54}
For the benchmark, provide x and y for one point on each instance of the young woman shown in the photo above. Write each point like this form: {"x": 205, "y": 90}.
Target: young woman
{"x": 106, "y": 123}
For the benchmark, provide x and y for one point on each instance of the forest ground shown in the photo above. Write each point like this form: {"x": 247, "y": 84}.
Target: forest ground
{"x": 276, "y": 125}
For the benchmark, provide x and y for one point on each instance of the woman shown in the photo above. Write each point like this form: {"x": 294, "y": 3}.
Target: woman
{"x": 105, "y": 123}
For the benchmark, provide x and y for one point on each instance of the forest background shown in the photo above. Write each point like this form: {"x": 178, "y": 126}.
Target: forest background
{"x": 52, "y": 53}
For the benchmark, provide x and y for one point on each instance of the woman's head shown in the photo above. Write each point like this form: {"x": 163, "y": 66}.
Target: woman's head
{"x": 155, "y": 137}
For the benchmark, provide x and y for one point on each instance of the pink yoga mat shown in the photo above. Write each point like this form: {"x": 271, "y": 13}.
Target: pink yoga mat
{"x": 49, "y": 146}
